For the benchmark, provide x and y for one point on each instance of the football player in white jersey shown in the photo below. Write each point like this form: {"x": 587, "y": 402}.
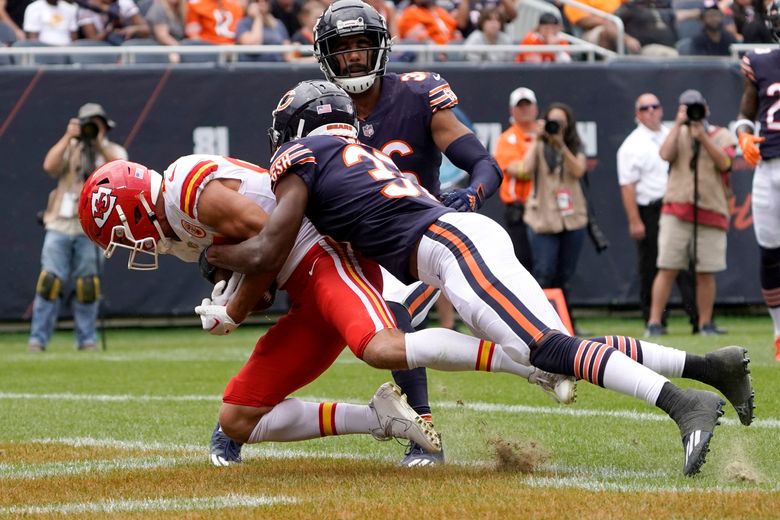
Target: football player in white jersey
{"x": 205, "y": 199}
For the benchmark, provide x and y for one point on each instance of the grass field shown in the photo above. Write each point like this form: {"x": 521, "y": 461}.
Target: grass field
{"x": 125, "y": 432}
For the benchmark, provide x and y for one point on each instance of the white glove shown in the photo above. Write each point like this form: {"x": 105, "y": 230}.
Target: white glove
{"x": 214, "y": 318}
{"x": 225, "y": 290}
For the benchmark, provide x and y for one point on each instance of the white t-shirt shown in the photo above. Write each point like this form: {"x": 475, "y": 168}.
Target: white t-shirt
{"x": 53, "y": 23}
{"x": 639, "y": 162}
{"x": 127, "y": 9}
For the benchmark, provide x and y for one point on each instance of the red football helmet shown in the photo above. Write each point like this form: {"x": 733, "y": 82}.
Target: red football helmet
{"x": 116, "y": 209}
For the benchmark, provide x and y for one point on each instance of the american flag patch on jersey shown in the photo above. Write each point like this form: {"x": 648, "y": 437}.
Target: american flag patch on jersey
{"x": 295, "y": 154}
{"x": 442, "y": 97}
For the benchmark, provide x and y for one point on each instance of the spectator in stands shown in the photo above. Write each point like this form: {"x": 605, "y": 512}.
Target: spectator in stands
{"x": 556, "y": 210}
{"x": 68, "y": 255}
{"x": 310, "y": 12}
{"x": 287, "y": 11}
{"x": 489, "y": 32}
{"x": 714, "y": 39}
{"x": 6, "y": 19}
{"x": 548, "y": 32}
{"x": 597, "y": 29}
{"x": 166, "y": 19}
{"x": 652, "y": 23}
{"x": 112, "y": 21}
{"x": 750, "y": 21}
{"x": 386, "y": 9}
{"x": 466, "y": 12}
{"x": 52, "y": 22}
{"x": 697, "y": 152}
{"x": 213, "y": 21}
{"x": 259, "y": 27}
{"x": 511, "y": 148}
{"x": 424, "y": 22}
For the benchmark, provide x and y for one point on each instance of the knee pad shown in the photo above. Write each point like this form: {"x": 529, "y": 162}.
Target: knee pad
{"x": 48, "y": 286}
{"x": 87, "y": 289}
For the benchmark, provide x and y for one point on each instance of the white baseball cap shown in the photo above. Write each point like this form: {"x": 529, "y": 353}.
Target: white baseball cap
{"x": 520, "y": 94}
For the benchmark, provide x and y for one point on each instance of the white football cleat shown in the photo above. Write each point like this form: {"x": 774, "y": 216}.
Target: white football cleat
{"x": 561, "y": 388}
{"x": 398, "y": 419}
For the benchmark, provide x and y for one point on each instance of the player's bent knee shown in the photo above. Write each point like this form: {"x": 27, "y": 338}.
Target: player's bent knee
{"x": 555, "y": 353}
{"x": 387, "y": 349}
{"x": 48, "y": 286}
{"x": 238, "y": 422}
{"x": 87, "y": 289}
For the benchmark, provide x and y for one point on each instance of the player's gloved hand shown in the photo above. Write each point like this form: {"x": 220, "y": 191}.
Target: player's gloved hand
{"x": 748, "y": 143}
{"x": 225, "y": 289}
{"x": 207, "y": 270}
{"x": 465, "y": 199}
{"x": 214, "y": 318}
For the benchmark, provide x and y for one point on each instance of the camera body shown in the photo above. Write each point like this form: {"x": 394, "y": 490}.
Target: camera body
{"x": 695, "y": 112}
{"x": 552, "y": 127}
{"x": 89, "y": 129}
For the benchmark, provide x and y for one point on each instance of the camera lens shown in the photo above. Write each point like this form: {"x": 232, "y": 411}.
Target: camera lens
{"x": 551, "y": 126}
{"x": 89, "y": 130}
{"x": 695, "y": 112}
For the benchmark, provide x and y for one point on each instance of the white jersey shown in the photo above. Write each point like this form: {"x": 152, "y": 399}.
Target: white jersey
{"x": 183, "y": 183}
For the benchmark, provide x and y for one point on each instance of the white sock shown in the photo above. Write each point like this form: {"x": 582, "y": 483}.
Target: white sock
{"x": 774, "y": 312}
{"x": 620, "y": 373}
{"x": 447, "y": 350}
{"x": 658, "y": 358}
{"x": 296, "y": 420}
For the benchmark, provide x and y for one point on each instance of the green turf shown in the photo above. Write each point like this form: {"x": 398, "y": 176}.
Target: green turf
{"x": 172, "y": 380}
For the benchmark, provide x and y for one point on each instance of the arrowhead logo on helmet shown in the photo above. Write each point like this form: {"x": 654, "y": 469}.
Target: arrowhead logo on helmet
{"x": 102, "y": 205}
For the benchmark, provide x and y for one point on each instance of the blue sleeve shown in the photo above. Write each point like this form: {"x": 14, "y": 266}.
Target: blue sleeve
{"x": 295, "y": 158}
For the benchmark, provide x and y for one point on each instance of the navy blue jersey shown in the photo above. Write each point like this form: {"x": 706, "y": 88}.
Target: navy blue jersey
{"x": 763, "y": 69}
{"x": 400, "y": 125}
{"x": 357, "y": 195}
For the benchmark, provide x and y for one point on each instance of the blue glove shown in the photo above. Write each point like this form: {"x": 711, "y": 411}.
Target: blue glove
{"x": 465, "y": 199}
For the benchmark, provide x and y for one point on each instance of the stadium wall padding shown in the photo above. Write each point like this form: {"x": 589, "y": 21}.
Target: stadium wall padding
{"x": 162, "y": 113}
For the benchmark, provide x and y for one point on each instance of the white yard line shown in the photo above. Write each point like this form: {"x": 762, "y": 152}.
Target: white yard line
{"x": 151, "y": 505}
{"x": 569, "y": 411}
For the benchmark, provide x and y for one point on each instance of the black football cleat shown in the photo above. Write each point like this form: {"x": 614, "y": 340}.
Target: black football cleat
{"x": 696, "y": 414}
{"x": 727, "y": 370}
{"x": 416, "y": 457}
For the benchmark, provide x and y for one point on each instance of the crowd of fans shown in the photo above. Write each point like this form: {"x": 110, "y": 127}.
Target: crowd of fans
{"x": 652, "y": 27}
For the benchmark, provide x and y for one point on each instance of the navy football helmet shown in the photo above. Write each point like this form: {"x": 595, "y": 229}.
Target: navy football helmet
{"x": 349, "y": 18}
{"x": 312, "y": 108}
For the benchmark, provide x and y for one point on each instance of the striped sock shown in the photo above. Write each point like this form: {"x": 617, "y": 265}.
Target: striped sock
{"x": 447, "y": 350}
{"x": 595, "y": 363}
{"x": 663, "y": 360}
{"x": 296, "y": 420}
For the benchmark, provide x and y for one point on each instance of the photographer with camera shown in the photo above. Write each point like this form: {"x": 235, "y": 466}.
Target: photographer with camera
{"x": 556, "y": 211}
{"x": 695, "y": 212}
{"x": 67, "y": 253}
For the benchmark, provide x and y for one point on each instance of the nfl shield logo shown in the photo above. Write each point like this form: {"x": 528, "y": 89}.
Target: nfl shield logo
{"x": 368, "y": 130}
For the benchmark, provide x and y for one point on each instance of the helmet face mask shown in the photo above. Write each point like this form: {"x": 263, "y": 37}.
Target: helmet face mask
{"x": 116, "y": 210}
{"x": 351, "y": 19}
{"x": 312, "y": 108}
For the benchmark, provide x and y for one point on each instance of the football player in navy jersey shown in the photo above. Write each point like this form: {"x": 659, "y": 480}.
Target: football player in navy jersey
{"x": 409, "y": 118}
{"x": 356, "y": 195}
{"x": 760, "y": 96}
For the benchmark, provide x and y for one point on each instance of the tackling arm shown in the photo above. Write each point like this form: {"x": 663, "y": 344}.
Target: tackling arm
{"x": 235, "y": 217}
{"x": 465, "y": 151}
{"x": 267, "y": 251}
